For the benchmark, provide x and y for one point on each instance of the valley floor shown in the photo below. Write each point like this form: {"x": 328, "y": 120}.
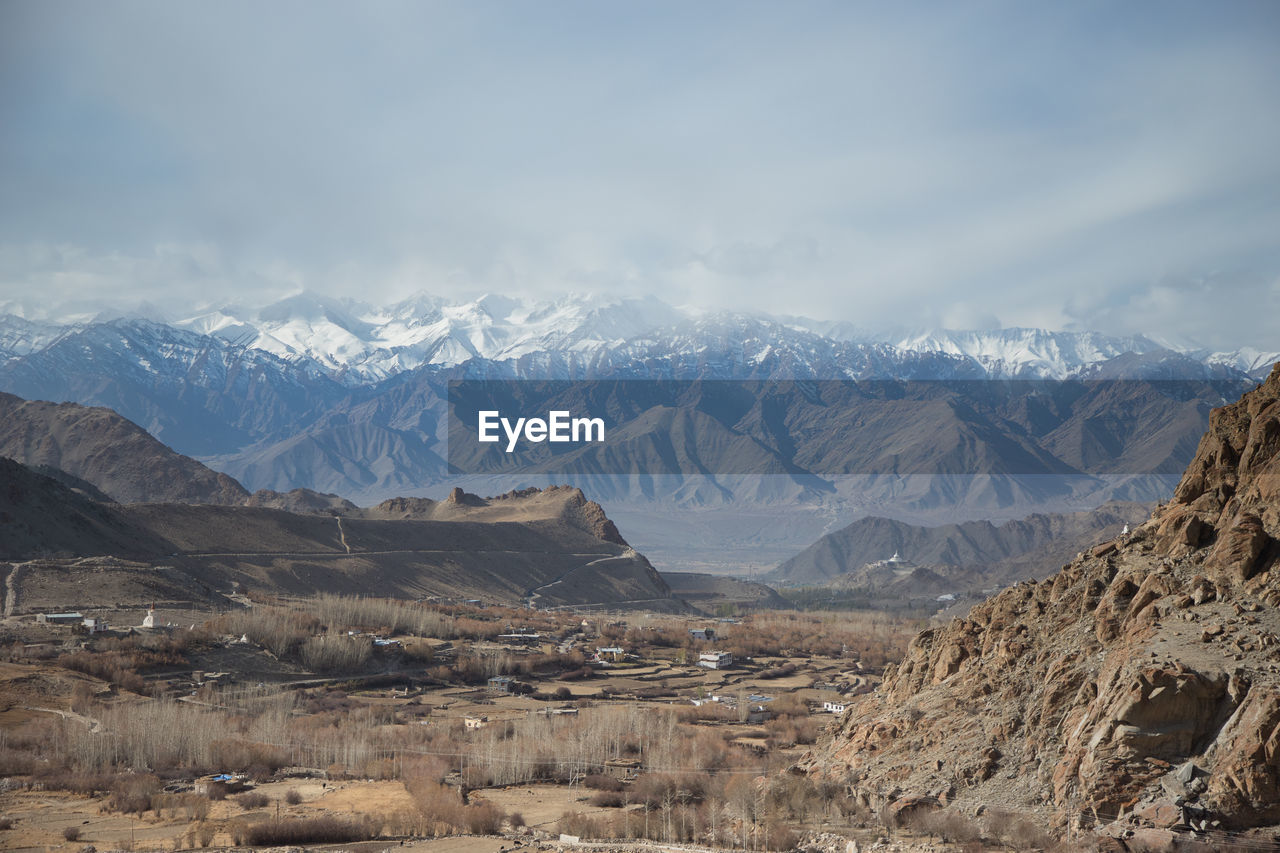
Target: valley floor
{"x": 604, "y": 728}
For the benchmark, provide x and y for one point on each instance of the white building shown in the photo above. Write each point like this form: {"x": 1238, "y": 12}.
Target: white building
{"x": 715, "y": 660}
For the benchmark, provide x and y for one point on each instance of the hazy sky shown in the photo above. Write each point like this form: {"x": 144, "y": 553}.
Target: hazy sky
{"x": 1111, "y": 165}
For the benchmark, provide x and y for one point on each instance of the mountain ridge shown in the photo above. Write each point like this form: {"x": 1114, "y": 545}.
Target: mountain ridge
{"x": 548, "y": 547}
{"x": 42, "y": 517}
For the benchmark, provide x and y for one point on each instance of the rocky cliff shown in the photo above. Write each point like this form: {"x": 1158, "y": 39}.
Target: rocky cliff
{"x": 1138, "y": 685}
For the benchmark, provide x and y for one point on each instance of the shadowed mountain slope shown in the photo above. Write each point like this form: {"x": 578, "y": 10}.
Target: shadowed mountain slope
{"x": 39, "y": 516}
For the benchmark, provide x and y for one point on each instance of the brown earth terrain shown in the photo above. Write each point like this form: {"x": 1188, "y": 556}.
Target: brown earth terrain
{"x": 1138, "y": 689}
{"x": 40, "y": 516}
{"x": 175, "y": 517}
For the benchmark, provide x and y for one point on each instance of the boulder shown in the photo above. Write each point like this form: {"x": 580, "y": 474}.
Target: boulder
{"x": 1235, "y": 554}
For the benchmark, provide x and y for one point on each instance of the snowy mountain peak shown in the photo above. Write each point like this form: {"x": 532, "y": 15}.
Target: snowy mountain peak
{"x": 1256, "y": 363}
{"x": 1032, "y": 352}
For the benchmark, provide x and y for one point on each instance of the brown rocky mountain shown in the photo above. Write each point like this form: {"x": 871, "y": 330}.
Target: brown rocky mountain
{"x": 710, "y": 593}
{"x": 1138, "y": 689}
{"x": 112, "y": 453}
{"x": 82, "y": 487}
{"x": 302, "y": 501}
{"x": 966, "y": 560}
{"x": 1040, "y": 537}
{"x": 543, "y": 547}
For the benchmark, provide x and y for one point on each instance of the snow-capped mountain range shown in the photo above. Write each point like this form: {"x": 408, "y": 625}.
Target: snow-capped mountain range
{"x": 342, "y": 397}
{"x": 577, "y": 335}
{"x": 365, "y": 343}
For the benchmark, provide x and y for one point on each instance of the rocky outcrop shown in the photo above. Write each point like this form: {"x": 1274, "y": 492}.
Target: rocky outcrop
{"x": 562, "y": 504}
{"x": 1139, "y": 685}
{"x": 591, "y": 515}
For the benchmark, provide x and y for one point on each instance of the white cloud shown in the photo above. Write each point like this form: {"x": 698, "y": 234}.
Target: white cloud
{"x": 60, "y": 281}
{"x": 864, "y": 161}
{"x": 1222, "y": 311}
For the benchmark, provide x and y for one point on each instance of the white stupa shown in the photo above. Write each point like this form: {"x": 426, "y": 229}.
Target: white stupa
{"x": 895, "y": 558}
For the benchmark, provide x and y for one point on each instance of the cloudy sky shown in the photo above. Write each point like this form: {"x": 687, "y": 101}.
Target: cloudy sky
{"x": 1106, "y": 165}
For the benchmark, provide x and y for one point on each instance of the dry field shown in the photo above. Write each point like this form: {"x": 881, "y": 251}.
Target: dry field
{"x": 41, "y": 818}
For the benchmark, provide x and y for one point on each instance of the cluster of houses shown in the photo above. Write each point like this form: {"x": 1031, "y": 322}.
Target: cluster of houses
{"x": 610, "y": 654}
{"x": 505, "y": 684}
{"x": 615, "y": 654}
{"x": 710, "y": 659}
{"x": 480, "y": 721}
{"x": 521, "y": 636}
{"x": 757, "y": 710}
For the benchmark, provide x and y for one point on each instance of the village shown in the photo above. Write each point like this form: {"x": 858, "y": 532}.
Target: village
{"x": 429, "y": 716}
